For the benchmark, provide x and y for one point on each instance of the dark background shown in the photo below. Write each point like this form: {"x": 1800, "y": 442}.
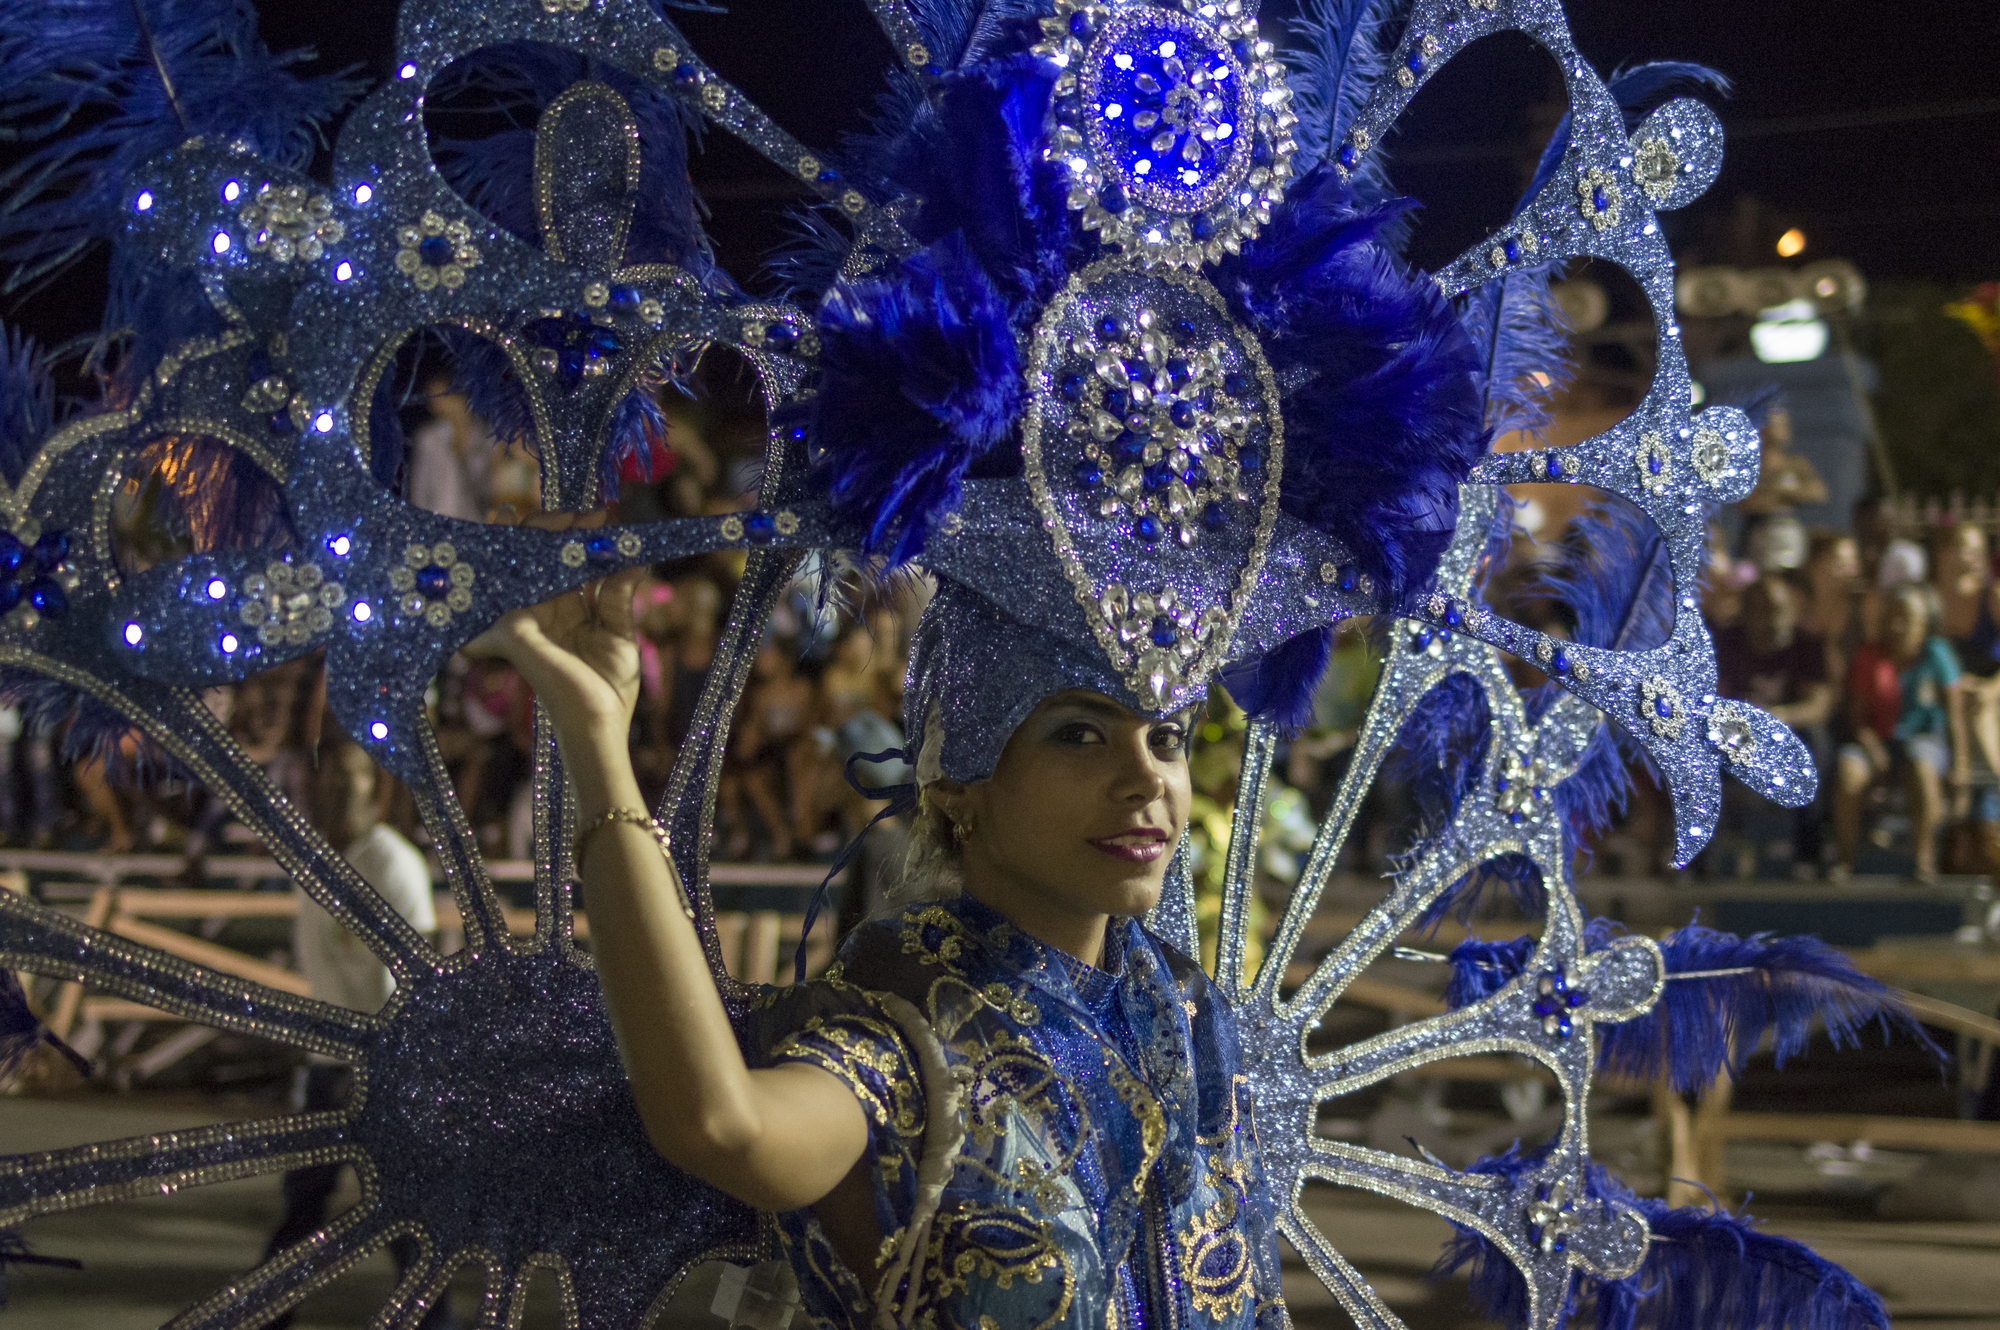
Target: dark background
{"x": 1874, "y": 127}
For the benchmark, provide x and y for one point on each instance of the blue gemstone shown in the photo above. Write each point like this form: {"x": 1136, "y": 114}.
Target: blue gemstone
{"x": 1420, "y": 639}
{"x": 1202, "y": 227}
{"x": 779, "y": 335}
{"x": 10, "y": 596}
{"x": 1236, "y": 383}
{"x": 686, "y": 76}
{"x": 1185, "y": 327}
{"x": 1544, "y": 1007}
{"x": 1157, "y": 476}
{"x": 1653, "y": 463}
{"x": 1113, "y": 199}
{"x": 1242, "y": 47}
{"x": 1561, "y": 662}
{"x": 1555, "y": 468}
{"x": 1561, "y": 1242}
{"x": 603, "y": 545}
{"x": 1081, "y": 26}
{"x": 624, "y": 300}
{"x": 1663, "y": 708}
{"x": 1558, "y": 982}
{"x": 827, "y": 175}
{"x": 280, "y": 422}
{"x": 10, "y": 554}
{"x": 1452, "y": 616}
{"x": 1251, "y": 461}
{"x": 1195, "y": 474}
{"x": 1148, "y": 528}
{"x": 433, "y": 581}
{"x": 1183, "y": 414}
{"x": 1416, "y": 62}
{"x": 436, "y": 251}
{"x": 52, "y": 548}
{"x": 1163, "y": 632}
{"x": 1072, "y": 387}
{"x": 1348, "y": 156}
{"x": 1598, "y": 201}
{"x": 49, "y": 598}
{"x": 1177, "y": 373}
{"x": 1563, "y": 1028}
{"x": 1089, "y": 473}
{"x": 1512, "y": 249}
{"x": 1262, "y": 155}
{"x": 1138, "y": 371}
{"x": 1348, "y": 579}
{"x": 1117, "y": 401}
{"x": 1131, "y": 448}
{"x": 1215, "y": 517}
{"x": 1514, "y": 818}
{"x": 1111, "y": 327}
{"x": 760, "y": 527}
{"x": 1577, "y": 997}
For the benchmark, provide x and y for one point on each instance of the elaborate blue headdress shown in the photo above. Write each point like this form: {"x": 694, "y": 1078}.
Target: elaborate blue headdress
{"x": 1106, "y": 327}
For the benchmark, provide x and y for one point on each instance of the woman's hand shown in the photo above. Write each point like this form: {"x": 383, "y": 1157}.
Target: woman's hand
{"x": 576, "y": 650}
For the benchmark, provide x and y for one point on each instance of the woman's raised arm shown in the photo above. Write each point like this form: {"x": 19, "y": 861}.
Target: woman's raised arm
{"x": 777, "y": 1138}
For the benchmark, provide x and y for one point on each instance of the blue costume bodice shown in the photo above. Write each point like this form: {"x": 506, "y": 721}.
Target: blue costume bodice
{"x": 1106, "y": 1172}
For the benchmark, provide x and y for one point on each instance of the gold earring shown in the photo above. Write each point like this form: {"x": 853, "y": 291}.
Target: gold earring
{"x": 960, "y": 830}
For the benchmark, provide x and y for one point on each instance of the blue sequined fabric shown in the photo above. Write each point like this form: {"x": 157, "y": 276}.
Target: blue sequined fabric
{"x": 1109, "y": 1173}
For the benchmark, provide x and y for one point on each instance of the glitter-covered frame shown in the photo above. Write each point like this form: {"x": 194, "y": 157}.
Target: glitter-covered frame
{"x": 490, "y": 1118}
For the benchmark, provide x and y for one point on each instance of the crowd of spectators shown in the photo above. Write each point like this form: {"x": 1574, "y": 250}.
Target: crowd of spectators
{"x": 1878, "y": 646}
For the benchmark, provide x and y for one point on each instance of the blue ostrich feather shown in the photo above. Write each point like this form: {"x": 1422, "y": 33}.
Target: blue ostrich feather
{"x": 493, "y": 391}
{"x": 1339, "y": 52}
{"x": 1440, "y": 753}
{"x": 1495, "y": 1287}
{"x": 1523, "y": 339}
{"x": 29, "y": 408}
{"x": 1639, "y": 90}
{"x": 1704, "y": 1268}
{"x": 637, "y": 448}
{"x": 1704, "y": 1026}
{"x": 1515, "y": 874}
{"x": 1479, "y": 969}
{"x": 1279, "y": 685}
{"x": 97, "y": 87}
{"x": 1724, "y": 995}
{"x": 1387, "y": 423}
{"x": 920, "y": 384}
{"x": 971, "y": 155}
{"x": 1615, "y": 578}
{"x": 495, "y": 173}
{"x": 1709, "y": 1267}
{"x": 90, "y": 729}
{"x": 954, "y": 29}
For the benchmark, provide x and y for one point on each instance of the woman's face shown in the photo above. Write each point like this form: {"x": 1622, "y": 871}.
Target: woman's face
{"x": 1083, "y": 812}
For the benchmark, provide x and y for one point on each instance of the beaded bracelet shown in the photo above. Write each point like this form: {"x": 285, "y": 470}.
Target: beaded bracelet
{"x": 652, "y": 826}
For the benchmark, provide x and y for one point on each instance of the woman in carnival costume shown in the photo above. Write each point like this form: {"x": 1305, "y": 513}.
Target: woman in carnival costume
{"x": 1122, "y": 351}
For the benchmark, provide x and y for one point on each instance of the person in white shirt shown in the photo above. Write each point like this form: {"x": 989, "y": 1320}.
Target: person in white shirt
{"x": 349, "y": 794}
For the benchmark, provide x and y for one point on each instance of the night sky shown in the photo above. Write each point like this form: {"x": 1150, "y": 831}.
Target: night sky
{"x": 1872, "y": 126}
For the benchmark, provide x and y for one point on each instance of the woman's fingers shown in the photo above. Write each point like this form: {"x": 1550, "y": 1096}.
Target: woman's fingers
{"x": 614, "y": 601}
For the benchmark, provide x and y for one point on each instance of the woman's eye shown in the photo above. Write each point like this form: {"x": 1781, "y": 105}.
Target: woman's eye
{"x": 1169, "y": 739}
{"x": 1078, "y": 732}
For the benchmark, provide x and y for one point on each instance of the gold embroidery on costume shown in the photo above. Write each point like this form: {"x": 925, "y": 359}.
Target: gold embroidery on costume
{"x": 998, "y": 1245}
{"x": 850, "y": 1045}
{"x": 1152, "y": 1119}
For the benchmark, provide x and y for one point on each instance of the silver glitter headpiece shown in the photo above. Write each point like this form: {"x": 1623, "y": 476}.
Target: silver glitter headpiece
{"x": 495, "y": 1070}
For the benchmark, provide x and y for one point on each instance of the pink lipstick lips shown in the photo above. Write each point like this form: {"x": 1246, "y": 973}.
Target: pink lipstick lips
{"x": 1141, "y": 845}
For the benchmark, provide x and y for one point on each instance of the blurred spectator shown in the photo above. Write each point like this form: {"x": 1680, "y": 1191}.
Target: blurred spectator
{"x": 347, "y": 803}
{"x": 1767, "y": 659}
{"x": 1832, "y": 579}
{"x": 449, "y": 458}
{"x": 1922, "y": 739}
{"x": 1964, "y": 584}
{"x": 773, "y": 749}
